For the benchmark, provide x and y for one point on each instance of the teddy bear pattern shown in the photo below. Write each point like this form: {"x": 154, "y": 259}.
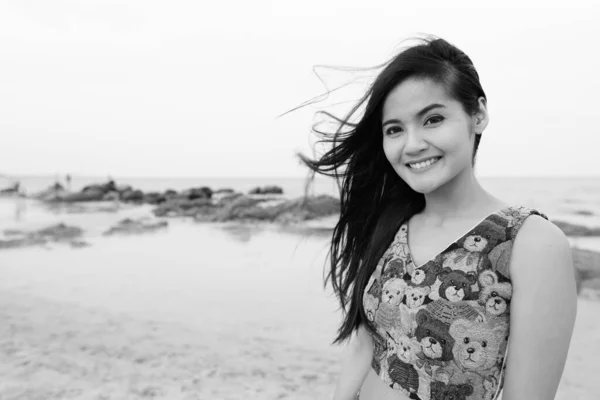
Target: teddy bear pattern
{"x": 446, "y": 323}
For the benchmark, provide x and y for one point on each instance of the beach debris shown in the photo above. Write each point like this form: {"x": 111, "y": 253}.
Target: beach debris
{"x": 130, "y": 226}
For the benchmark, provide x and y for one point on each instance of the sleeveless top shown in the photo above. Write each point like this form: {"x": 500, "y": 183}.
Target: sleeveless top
{"x": 446, "y": 323}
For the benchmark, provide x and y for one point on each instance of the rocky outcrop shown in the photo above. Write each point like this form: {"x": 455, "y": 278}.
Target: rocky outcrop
{"x": 52, "y": 234}
{"x": 110, "y": 191}
{"x": 266, "y": 190}
{"x": 239, "y": 207}
{"x": 177, "y": 207}
{"x": 248, "y": 209}
{"x": 130, "y": 226}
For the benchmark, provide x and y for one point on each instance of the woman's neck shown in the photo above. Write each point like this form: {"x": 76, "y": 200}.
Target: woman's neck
{"x": 462, "y": 197}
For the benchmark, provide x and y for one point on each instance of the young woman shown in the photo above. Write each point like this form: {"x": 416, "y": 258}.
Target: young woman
{"x": 448, "y": 291}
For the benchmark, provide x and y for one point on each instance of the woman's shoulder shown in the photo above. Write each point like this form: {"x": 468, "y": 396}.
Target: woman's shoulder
{"x": 540, "y": 241}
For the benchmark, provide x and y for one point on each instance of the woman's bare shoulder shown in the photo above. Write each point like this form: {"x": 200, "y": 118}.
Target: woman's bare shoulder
{"x": 540, "y": 246}
{"x": 537, "y": 232}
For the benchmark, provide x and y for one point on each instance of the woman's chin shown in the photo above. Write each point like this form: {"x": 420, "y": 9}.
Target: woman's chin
{"x": 424, "y": 186}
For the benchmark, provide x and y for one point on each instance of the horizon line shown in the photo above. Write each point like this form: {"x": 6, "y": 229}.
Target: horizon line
{"x": 115, "y": 176}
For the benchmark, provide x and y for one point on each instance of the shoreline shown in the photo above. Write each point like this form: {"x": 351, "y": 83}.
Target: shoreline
{"x": 80, "y": 225}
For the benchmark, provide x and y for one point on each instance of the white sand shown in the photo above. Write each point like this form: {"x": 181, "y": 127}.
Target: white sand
{"x": 195, "y": 312}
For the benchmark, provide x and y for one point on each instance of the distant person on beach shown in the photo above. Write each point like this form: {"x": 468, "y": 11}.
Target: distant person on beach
{"x": 448, "y": 291}
{"x": 68, "y": 180}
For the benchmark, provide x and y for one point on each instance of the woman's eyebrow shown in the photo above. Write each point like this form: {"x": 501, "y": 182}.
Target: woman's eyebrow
{"x": 419, "y": 114}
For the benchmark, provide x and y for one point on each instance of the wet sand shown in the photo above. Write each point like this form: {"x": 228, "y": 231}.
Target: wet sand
{"x": 194, "y": 312}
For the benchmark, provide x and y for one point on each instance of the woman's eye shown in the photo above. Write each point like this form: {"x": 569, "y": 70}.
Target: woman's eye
{"x": 436, "y": 119}
{"x": 393, "y": 130}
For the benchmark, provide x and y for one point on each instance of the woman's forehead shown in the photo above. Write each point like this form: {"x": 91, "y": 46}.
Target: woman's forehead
{"x": 413, "y": 95}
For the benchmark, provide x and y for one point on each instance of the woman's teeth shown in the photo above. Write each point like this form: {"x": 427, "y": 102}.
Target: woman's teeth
{"x": 424, "y": 164}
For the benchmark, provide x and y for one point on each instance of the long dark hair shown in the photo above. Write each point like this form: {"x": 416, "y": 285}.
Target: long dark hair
{"x": 374, "y": 200}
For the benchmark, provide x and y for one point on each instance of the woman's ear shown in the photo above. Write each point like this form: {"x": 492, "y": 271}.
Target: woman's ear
{"x": 481, "y": 117}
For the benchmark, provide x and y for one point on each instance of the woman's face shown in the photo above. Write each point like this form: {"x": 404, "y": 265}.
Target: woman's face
{"x": 421, "y": 124}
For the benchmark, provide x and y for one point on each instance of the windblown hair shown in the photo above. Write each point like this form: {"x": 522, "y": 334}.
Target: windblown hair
{"x": 374, "y": 200}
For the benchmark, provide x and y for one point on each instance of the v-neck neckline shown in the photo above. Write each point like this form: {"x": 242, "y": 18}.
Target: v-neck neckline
{"x": 409, "y": 252}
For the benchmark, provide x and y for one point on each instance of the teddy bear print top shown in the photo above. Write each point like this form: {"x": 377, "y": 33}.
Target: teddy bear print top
{"x": 446, "y": 323}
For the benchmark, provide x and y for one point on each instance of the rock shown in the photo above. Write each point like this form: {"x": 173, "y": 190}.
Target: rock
{"x": 129, "y": 226}
{"x": 241, "y": 208}
{"x": 111, "y": 196}
{"x": 21, "y": 242}
{"x": 287, "y": 211}
{"x": 178, "y": 207}
{"x": 266, "y": 190}
{"x": 307, "y": 208}
{"x": 59, "y": 232}
{"x": 11, "y": 190}
{"x": 132, "y": 196}
{"x": 154, "y": 198}
{"x": 224, "y": 199}
{"x": 570, "y": 229}
{"x": 224, "y": 190}
{"x": 91, "y": 194}
{"x": 198, "y": 193}
{"x": 101, "y": 187}
{"x": 54, "y": 233}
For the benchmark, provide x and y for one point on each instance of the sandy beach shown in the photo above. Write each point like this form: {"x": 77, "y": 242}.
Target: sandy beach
{"x": 197, "y": 311}
{"x": 168, "y": 316}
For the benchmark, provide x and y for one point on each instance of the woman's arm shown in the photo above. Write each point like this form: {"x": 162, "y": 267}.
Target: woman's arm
{"x": 355, "y": 365}
{"x": 542, "y": 311}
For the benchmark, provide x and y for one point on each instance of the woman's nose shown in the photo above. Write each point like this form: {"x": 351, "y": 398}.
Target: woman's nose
{"x": 414, "y": 141}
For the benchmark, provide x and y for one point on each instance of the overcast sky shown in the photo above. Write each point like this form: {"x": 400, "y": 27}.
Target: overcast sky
{"x": 193, "y": 88}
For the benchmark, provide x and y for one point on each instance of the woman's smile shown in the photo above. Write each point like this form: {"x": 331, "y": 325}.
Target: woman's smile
{"x": 424, "y": 165}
